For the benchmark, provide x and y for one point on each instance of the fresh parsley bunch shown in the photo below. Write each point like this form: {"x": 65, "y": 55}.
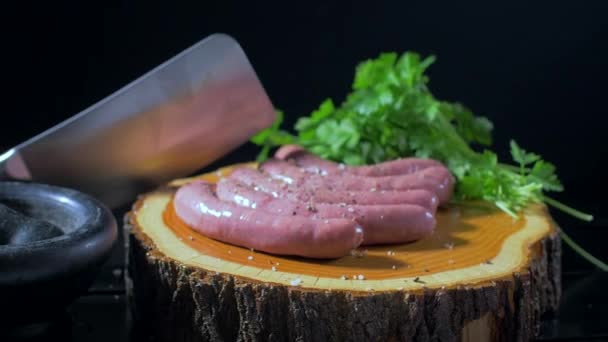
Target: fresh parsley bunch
{"x": 391, "y": 113}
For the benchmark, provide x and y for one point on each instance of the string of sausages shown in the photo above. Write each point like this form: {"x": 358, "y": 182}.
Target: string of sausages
{"x": 300, "y": 204}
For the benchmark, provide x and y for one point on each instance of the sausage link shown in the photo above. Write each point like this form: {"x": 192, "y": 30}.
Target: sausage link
{"x": 395, "y": 223}
{"x": 197, "y": 205}
{"x": 314, "y": 164}
{"x": 435, "y": 179}
{"x": 307, "y": 192}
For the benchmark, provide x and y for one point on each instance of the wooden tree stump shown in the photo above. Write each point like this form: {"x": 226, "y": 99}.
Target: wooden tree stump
{"x": 482, "y": 276}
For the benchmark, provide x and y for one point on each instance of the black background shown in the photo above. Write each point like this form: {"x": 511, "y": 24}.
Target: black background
{"x": 538, "y": 70}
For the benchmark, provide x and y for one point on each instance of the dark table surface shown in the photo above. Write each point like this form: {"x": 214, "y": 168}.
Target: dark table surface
{"x": 102, "y": 314}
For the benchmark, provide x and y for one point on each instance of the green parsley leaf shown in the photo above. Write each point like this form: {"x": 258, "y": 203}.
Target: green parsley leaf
{"x": 544, "y": 173}
{"x": 391, "y": 113}
{"x": 521, "y": 156}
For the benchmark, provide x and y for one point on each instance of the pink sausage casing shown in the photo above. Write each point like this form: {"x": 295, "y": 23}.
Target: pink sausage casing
{"x": 264, "y": 183}
{"x": 197, "y": 205}
{"x": 395, "y": 223}
{"x": 314, "y": 164}
{"x": 435, "y": 179}
{"x": 421, "y": 197}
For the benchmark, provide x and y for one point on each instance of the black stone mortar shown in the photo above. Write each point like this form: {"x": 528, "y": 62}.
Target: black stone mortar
{"x": 53, "y": 242}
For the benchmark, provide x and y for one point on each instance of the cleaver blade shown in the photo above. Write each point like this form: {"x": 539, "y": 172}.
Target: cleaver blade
{"x": 174, "y": 120}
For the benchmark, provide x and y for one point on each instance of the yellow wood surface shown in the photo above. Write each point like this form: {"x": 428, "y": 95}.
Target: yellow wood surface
{"x": 472, "y": 244}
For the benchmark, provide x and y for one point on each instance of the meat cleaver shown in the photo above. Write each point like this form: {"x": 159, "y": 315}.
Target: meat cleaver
{"x": 172, "y": 121}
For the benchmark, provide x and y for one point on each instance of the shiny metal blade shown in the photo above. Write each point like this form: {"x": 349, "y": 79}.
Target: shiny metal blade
{"x": 176, "y": 119}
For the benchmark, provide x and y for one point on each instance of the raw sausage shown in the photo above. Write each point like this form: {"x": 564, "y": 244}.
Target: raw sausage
{"x": 312, "y": 163}
{"x": 393, "y": 223}
{"x": 419, "y": 197}
{"x": 435, "y": 179}
{"x": 197, "y": 205}
{"x": 264, "y": 183}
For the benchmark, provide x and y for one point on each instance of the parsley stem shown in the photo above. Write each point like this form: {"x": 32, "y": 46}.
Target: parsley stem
{"x": 568, "y": 210}
{"x": 583, "y": 253}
